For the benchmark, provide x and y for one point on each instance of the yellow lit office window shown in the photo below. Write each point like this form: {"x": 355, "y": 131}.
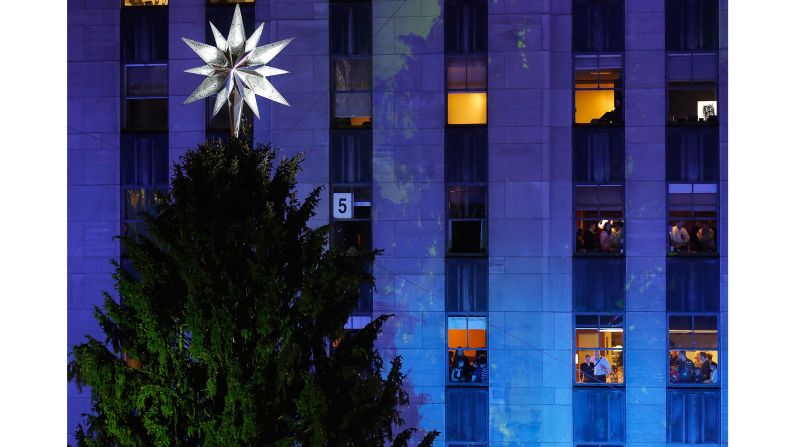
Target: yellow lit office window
{"x": 145, "y": 2}
{"x": 593, "y": 104}
{"x": 466, "y": 108}
{"x": 228, "y": 2}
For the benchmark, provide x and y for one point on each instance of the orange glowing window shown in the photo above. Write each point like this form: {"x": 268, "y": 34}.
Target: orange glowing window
{"x": 466, "y": 332}
{"x": 146, "y": 2}
{"x": 598, "y": 90}
{"x": 466, "y": 108}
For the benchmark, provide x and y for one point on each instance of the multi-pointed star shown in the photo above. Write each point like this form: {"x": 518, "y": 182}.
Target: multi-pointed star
{"x": 236, "y": 70}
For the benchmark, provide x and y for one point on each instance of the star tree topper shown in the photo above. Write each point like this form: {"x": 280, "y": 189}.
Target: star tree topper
{"x": 236, "y": 70}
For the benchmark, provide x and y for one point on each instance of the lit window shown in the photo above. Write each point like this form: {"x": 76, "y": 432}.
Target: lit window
{"x": 467, "y": 108}
{"x": 692, "y": 102}
{"x": 693, "y": 417}
{"x": 693, "y": 355}
{"x": 599, "y": 417}
{"x": 692, "y": 284}
{"x": 350, "y": 40}
{"x": 467, "y": 417}
{"x": 228, "y": 2}
{"x": 598, "y": 154}
{"x": 693, "y": 218}
{"x": 692, "y": 154}
{"x": 691, "y": 25}
{"x": 598, "y": 25}
{"x": 466, "y": 347}
{"x": 598, "y": 284}
{"x": 145, "y": 3}
{"x": 466, "y": 62}
{"x": 599, "y": 219}
{"x": 598, "y": 95}
{"x": 599, "y": 356}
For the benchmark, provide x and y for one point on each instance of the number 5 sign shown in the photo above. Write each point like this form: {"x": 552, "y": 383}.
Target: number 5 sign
{"x": 343, "y": 205}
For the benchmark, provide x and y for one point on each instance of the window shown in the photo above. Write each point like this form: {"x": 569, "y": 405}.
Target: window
{"x": 598, "y": 25}
{"x": 220, "y": 14}
{"x": 693, "y": 355}
{"x": 466, "y": 173}
{"x": 598, "y": 95}
{"x": 599, "y": 416}
{"x": 599, "y": 214}
{"x": 144, "y": 171}
{"x": 598, "y": 154}
{"x": 598, "y": 284}
{"x": 692, "y": 284}
{"x": 693, "y": 416}
{"x": 466, "y": 59}
{"x": 692, "y": 218}
{"x": 692, "y": 154}
{"x": 467, "y": 285}
{"x": 144, "y": 55}
{"x": 467, "y": 414}
{"x": 692, "y": 102}
{"x": 602, "y": 336}
{"x": 466, "y": 348}
{"x": 145, "y": 3}
{"x": 350, "y": 27}
{"x": 691, "y": 25}
{"x": 351, "y": 178}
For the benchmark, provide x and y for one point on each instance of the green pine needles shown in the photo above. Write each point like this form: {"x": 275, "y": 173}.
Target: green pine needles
{"x": 223, "y": 334}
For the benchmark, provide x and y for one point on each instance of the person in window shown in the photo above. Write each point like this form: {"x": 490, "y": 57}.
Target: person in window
{"x": 586, "y": 368}
{"x": 606, "y": 241}
{"x": 705, "y": 238}
{"x": 481, "y": 373}
{"x": 460, "y": 368}
{"x": 705, "y": 362}
{"x": 614, "y": 116}
{"x": 713, "y": 373}
{"x": 685, "y": 369}
{"x": 601, "y": 368}
{"x": 680, "y": 238}
{"x": 590, "y": 238}
{"x": 617, "y": 235}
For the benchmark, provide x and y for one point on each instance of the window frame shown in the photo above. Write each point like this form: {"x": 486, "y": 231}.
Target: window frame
{"x": 669, "y": 398}
{"x": 352, "y": 54}
{"x": 682, "y": 38}
{"x": 591, "y": 47}
{"x": 575, "y": 220}
{"x": 471, "y": 53}
{"x": 618, "y": 92}
{"x": 670, "y": 251}
{"x": 588, "y": 390}
{"x": 577, "y": 348}
{"x": 449, "y": 415}
{"x": 447, "y": 370}
{"x": 693, "y": 385}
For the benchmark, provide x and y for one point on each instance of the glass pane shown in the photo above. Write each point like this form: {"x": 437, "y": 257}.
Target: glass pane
{"x": 467, "y": 415}
{"x": 706, "y": 332}
{"x": 146, "y": 114}
{"x": 147, "y": 80}
{"x": 692, "y": 102}
{"x": 353, "y": 74}
{"x": 467, "y": 285}
{"x": 476, "y": 72}
{"x": 351, "y": 157}
{"x": 456, "y": 73}
{"x": 352, "y": 237}
{"x": 352, "y": 104}
{"x": 598, "y": 284}
{"x": 467, "y": 236}
{"x": 466, "y": 202}
{"x": 476, "y": 335}
{"x": 147, "y": 2}
{"x": 465, "y": 157}
{"x": 466, "y": 108}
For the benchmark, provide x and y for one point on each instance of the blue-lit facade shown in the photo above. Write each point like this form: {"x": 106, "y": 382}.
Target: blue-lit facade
{"x": 547, "y": 180}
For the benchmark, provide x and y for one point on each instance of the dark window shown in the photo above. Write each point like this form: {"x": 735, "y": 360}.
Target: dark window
{"x": 603, "y": 335}
{"x": 144, "y": 56}
{"x": 692, "y": 154}
{"x": 691, "y": 103}
{"x": 467, "y": 285}
{"x": 599, "y": 416}
{"x": 351, "y": 157}
{"x": 599, "y": 89}
{"x": 693, "y": 218}
{"x": 598, "y": 25}
{"x": 144, "y": 173}
{"x": 466, "y": 173}
{"x": 598, "y": 154}
{"x": 466, "y": 26}
{"x": 599, "y": 219}
{"x": 693, "y": 350}
{"x": 691, "y": 25}
{"x": 350, "y": 40}
{"x": 221, "y": 17}
{"x": 467, "y": 412}
{"x": 693, "y": 417}
{"x": 465, "y": 157}
{"x": 598, "y": 284}
{"x": 693, "y": 284}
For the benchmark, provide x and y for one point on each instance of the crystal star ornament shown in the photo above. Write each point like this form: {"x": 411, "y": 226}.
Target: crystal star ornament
{"x": 236, "y": 70}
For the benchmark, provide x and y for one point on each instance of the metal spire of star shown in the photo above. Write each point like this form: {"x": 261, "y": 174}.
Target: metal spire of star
{"x": 236, "y": 70}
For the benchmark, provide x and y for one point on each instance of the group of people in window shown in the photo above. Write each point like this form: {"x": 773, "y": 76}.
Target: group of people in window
{"x": 685, "y": 370}
{"x": 468, "y": 369}
{"x": 595, "y": 369}
{"x": 700, "y": 238}
{"x": 606, "y": 236}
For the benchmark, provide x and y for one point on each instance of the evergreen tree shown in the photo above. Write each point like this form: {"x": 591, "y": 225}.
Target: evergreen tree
{"x": 230, "y": 331}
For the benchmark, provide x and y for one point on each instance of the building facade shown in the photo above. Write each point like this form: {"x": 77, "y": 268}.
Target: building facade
{"x": 547, "y": 179}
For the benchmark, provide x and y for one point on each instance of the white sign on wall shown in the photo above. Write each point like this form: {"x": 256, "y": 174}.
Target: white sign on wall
{"x": 343, "y": 205}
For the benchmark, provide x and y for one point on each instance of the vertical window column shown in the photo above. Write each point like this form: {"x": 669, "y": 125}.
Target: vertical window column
{"x": 351, "y": 138}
